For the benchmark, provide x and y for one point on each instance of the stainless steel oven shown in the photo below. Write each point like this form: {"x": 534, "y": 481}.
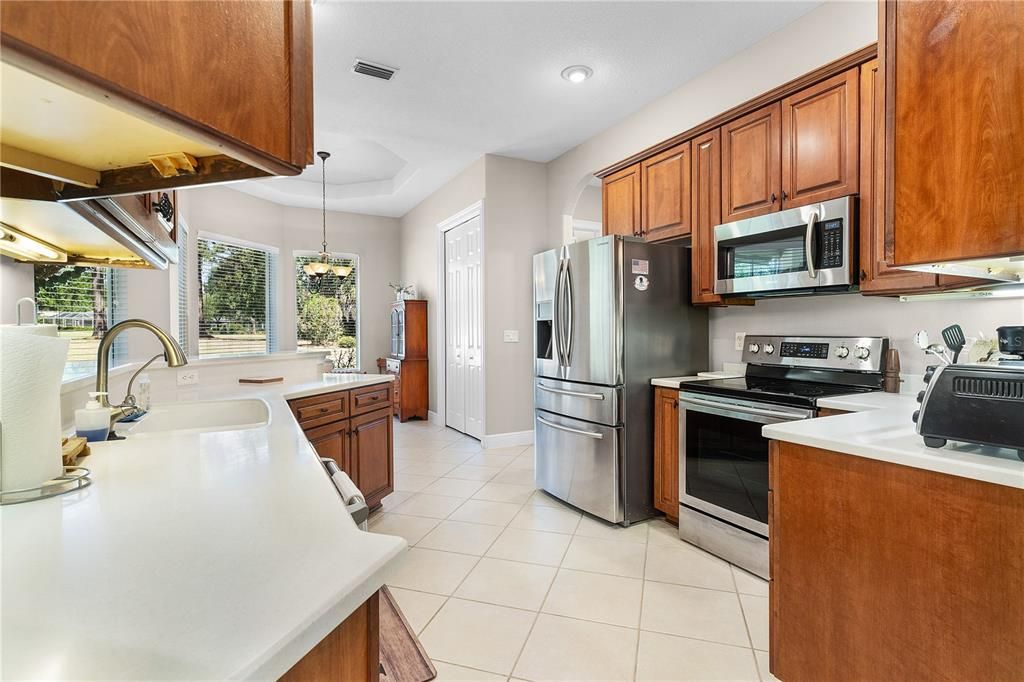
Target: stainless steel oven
{"x": 723, "y": 475}
{"x": 808, "y": 248}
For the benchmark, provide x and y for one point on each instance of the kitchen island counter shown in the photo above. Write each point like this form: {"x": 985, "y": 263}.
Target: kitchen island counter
{"x": 198, "y": 555}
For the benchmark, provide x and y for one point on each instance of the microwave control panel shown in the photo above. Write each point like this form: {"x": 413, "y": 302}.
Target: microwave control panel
{"x": 831, "y": 244}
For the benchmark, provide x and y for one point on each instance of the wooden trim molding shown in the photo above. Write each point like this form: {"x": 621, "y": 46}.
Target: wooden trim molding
{"x": 865, "y": 54}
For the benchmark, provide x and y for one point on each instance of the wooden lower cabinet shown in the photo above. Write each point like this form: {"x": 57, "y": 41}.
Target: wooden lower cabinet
{"x": 411, "y": 388}
{"x": 666, "y": 452}
{"x": 350, "y": 653}
{"x": 371, "y": 448}
{"x": 886, "y": 572}
{"x": 354, "y": 428}
{"x": 829, "y": 412}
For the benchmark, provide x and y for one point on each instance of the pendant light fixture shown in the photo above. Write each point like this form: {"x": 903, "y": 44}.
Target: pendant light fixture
{"x": 321, "y": 267}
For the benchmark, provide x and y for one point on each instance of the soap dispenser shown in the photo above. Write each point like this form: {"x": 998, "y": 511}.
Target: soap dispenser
{"x": 92, "y": 422}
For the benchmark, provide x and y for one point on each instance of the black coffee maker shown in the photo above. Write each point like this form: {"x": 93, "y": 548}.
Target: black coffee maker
{"x": 1011, "y": 345}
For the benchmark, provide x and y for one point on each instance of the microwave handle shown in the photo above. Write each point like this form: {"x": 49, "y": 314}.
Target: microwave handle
{"x": 812, "y": 220}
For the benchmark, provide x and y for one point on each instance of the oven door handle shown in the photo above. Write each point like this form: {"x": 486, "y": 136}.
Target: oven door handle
{"x": 578, "y": 432}
{"x": 812, "y": 220}
{"x": 741, "y": 410}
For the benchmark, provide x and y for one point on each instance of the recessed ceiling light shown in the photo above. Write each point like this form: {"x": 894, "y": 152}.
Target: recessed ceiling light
{"x": 577, "y": 74}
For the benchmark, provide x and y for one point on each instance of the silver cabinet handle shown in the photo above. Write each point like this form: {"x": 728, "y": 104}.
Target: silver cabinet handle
{"x": 743, "y": 409}
{"x": 575, "y": 394}
{"x": 579, "y": 432}
{"x": 812, "y": 220}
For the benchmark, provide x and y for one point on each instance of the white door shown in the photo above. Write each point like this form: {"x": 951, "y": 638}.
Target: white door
{"x": 464, "y": 328}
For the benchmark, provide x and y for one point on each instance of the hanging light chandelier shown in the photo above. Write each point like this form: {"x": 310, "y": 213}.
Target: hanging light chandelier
{"x": 319, "y": 268}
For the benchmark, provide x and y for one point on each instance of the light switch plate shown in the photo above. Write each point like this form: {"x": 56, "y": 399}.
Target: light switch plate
{"x": 740, "y": 337}
{"x": 511, "y": 336}
{"x": 187, "y": 377}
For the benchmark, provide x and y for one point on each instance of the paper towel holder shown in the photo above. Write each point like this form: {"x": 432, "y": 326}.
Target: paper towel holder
{"x": 74, "y": 478}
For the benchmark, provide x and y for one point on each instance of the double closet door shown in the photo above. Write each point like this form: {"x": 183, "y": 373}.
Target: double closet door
{"x": 464, "y": 381}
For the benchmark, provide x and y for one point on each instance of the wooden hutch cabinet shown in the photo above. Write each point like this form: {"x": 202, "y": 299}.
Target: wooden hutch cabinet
{"x": 407, "y": 359}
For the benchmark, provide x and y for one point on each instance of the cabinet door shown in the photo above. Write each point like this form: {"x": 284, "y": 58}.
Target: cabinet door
{"x": 875, "y": 276}
{"x": 954, "y": 74}
{"x": 620, "y": 202}
{"x": 333, "y": 441}
{"x": 665, "y": 194}
{"x": 706, "y": 214}
{"x": 820, "y": 141}
{"x": 666, "y": 451}
{"x": 751, "y": 165}
{"x": 371, "y": 454}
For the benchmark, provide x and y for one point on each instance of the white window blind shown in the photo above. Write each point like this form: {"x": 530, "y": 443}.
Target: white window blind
{"x": 183, "y": 266}
{"x": 327, "y": 308}
{"x": 235, "y": 291}
{"x": 84, "y": 302}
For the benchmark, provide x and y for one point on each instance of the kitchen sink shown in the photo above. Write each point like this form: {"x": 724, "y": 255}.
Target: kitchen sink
{"x": 206, "y": 415}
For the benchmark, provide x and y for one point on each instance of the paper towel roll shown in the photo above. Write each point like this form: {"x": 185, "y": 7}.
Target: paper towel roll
{"x": 349, "y": 492}
{"x": 31, "y": 368}
{"x": 37, "y": 329}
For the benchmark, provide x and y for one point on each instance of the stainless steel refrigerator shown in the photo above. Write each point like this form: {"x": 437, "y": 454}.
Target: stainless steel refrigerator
{"x": 610, "y": 314}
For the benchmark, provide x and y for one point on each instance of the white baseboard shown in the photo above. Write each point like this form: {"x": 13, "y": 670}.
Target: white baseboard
{"x": 507, "y": 440}
{"x": 434, "y": 418}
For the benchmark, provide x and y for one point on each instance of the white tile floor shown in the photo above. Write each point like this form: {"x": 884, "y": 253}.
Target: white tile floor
{"x": 502, "y": 581}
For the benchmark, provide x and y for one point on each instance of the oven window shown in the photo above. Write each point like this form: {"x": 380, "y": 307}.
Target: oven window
{"x": 773, "y": 253}
{"x": 727, "y": 463}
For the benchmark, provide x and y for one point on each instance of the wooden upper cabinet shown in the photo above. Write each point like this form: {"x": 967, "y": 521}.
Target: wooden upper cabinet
{"x": 705, "y": 214}
{"x": 620, "y": 202}
{"x": 954, "y": 78}
{"x": 751, "y": 168}
{"x": 221, "y": 80}
{"x": 665, "y": 194}
{"x": 875, "y": 276}
{"x": 821, "y": 141}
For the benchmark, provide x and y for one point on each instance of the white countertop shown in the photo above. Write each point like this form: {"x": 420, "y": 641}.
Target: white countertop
{"x": 192, "y": 556}
{"x": 881, "y": 429}
{"x": 730, "y": 370}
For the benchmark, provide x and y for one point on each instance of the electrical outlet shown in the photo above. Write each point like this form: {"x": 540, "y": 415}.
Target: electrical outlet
{"x": 740, "y": 337}
{"x": 511, "y": 336}
{"x": 187, "y": 377}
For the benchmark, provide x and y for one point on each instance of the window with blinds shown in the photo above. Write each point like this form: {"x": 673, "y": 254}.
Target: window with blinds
{"x": 235, "y": 292}
{"x": 84, "y": 303}
{"x": 183, "y": 265}
{"x": 327, "y": 308}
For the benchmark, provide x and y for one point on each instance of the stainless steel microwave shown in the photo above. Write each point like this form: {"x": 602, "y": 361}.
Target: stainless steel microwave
{"x": 798, "y": 250}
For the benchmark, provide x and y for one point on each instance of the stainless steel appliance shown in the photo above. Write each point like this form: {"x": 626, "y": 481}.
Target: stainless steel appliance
{"x": 723, "y": 458}
{"x": 799, "y": 250}
{"x": 610, "y": 314}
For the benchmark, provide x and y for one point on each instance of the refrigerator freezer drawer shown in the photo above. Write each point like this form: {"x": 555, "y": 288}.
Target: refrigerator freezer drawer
{"x": 581, "y": 401}
{"x": 578, "y": 462}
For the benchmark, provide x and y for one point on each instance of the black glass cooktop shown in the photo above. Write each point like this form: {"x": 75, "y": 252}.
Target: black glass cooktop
{"x": 770, "y": 390}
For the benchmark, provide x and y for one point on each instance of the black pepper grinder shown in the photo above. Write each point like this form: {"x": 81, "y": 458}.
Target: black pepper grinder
{"x": 891, "y": 376}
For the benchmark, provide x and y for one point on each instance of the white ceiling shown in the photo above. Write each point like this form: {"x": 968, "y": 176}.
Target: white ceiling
{"x": 484, "y": 77}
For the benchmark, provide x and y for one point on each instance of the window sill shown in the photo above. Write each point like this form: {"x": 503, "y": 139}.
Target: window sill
{"x": 89, "y": 381}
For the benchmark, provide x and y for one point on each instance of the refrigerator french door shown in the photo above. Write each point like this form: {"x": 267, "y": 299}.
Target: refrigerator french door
{"x": 610, "y": 314}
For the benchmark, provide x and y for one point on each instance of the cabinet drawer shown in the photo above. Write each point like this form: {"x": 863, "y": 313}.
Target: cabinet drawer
{"x": 393, "y": 366}
{"x": 370, "y": 398}
{"x": 321, "y": 409}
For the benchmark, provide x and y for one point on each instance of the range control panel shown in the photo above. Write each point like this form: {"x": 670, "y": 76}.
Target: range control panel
{"x": 858, "y": 353}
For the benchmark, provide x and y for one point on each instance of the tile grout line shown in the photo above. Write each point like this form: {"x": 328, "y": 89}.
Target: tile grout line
{"x": 746, "y": 624}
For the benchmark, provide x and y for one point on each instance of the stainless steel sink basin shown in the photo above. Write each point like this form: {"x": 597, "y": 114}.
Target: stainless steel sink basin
{"x": 206, "y": 415}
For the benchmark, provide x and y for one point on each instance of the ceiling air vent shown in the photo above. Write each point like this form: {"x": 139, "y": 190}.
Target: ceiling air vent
{"x": 375, "y": 70}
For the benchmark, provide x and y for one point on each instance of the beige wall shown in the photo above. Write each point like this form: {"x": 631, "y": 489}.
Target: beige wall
{"x": 588, "y": 206}
{"x": 513, "y": 232}
{"x": 418, "y": 261}
{"x": 374, "y": 239}
{"x": 16, "y": 281}
{"x": 818, "y": 37}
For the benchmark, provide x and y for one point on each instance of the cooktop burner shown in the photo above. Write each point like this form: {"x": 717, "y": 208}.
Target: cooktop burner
{"x": 771, "y": 390}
